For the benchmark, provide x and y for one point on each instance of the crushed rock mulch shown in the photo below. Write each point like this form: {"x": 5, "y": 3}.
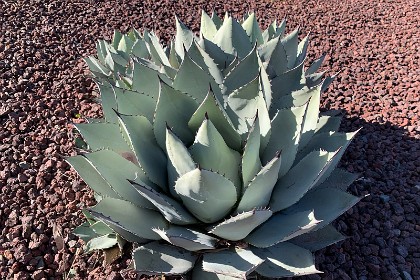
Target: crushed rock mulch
{"x": 45, "y": 85}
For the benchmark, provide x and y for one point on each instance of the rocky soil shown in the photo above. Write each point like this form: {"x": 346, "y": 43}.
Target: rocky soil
{"x": 45, "y": 86}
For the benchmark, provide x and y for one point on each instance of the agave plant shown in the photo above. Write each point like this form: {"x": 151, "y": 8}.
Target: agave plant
{"x": 213, "y": 157}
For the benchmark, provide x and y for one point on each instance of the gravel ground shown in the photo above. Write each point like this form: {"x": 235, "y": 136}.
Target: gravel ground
{"x": 44, "y": 85}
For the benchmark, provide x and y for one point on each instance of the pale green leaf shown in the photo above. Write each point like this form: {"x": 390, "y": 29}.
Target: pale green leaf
{"x": 207, "y": 27}
{"x": 186, "y": 238}
{"x": 252, "y": 29}
{"x": 251, "y": 163}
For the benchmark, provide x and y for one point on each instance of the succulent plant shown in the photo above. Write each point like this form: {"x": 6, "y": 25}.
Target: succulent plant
{"x": 213, "y": 157}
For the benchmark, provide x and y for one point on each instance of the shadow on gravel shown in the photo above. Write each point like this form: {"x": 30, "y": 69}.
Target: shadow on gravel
{"x": 383, "y": 229}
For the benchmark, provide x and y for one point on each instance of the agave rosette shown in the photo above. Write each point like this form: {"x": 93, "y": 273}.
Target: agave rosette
{"x": 213, "y": 156}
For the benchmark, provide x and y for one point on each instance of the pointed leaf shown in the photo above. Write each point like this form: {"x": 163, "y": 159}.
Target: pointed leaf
{"x": 290, "y": 43}
{"x": 219, "y": 117}
{"x": 211, "y": 152}
{"x": 327, "y": 203}
{"x": 171, "y": 209}
{"x": 221, "y": 58}
{"x": 328, "y": 123}
{"x": 236, "y": 262}
{"x": 140, "y": 49}
{"x": 339, "y": 179}
{"x": 244, "y": 72}
{"x": 293, "y": 186}
{"x": 186, "y": 238}
{"x": 173, "y": 56}
{"x": 297, "y": 261}
{"x": 193, "y": 80}
{"x": 155, "y": 258}
{"x": 85, "y": 232}
{"x": 310, "y": 119}
{"x": 102, "y": 136}
{"x": 258, "y": 192}
{"x": 277, "y": 60}
{"x": 315, "y": 65}
{"x": 91, "y": 177}
{"x": 207, "y": 195}
{"x": 288, "y": 82}
{"x": 232, "y": 38}
{"x": 155, "y": 49}
{"x": 146, "y": 79}
{"x": 239, "y": 226}
{"x": 101, "y": 242}
{"x": 207, "y": 27}
{"x": 121, "y": 214}
{"x": 301, "y": 50}
{"x": 105, "y": 162}
{"x": 316, "y": 240}
{"x": 282, "y": 227}
{"x": 251, "y": 163}
{"x": 285, "y": 135}
{"x": 253, "y": 30}
{"x": 183, "y": 38}
{"x": 217, "y": 21}
{"x": 175, "y": 109}
{"x": 109, "y": 102}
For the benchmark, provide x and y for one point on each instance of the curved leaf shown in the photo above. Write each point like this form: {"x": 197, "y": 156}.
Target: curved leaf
{"x": 239, "y": 226}
{"x": 186, "y": 238}
{"x": 251, "y": 162}
{"x": 282, "y": 227}
{"x": 319, "y": 239}
{"x": 183, "y": 37}
{"x": 135, "y": 103}
{"x": 296, "y": 262}
{"x": 236, "y": 262}
{"x": 138, "y": 132}
{"x": 207, "y": 27}
{"x": 207, "y": 195}
{"x": 155, "y": 258}
{"x": 252, "y": 29}
{"x": 339, "y": 179}
{"x": 125, "y": 215}
{"x": 147, "y": 79}
{"x": 258, "y": 192}
{"x": 102, "y": 136}
{"x": 219, "y": 118}
{"x": 171, "y": 209}
{"x": 315, "y": 65}
{"x": 175, "y": 109}
{"x": 210, "y": 151}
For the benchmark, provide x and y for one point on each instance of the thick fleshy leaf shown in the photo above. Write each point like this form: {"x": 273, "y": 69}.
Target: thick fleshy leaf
{"x": 207, "y": 27}
{"x": 327, "y": 203}
{"x": 102, "y": 136}
{"x": 211, "y": 152}
{"x": 253, "y": 30}
{"x": 109, "y": 102}
{"x": 155, "y": 258}
{"x": 85, "y": 232}
{"x": 285, "y": 134}
{"x": 236, "y": 262}
{"x": 258, "y": 192}
{"x": 277, "y": 59}
{"x": 270, "y": 31}
{"x": 116, "y": 38}
{"x": 199, "y": 56}
{"x": 207, "y": 195}
{"x": 147, "y": 79}
{"x": 293, "y": 186}
{"x": 316, "y": 240}
{"x": 138, "y": 132}
{"x": 96, "y": 67}
{"x": 125, "y": 215}
{"x": 221, "y": 58}
{"x": 244, "y": 72}
{"x": 125, "y": 45}
{"x": 295, "y": 262}
{"x": 286, "y": 83}
{"x": 187, "y": 238}
{"x": 219, "y": 117}
{"x": 175, "y": 109}
{"x": 155, "y": 49}
{"x": 193, "y": 80}
{"x": 327, "y": 82}
{"x": 328, "y": 123}
{"x": 315, "y": 65}
{"x": 135, "y": 103}
{"x": 314, "y": 79}
{"x": 239, "y": 226}
{"x": 243, "y": 104}
{"x": 174, "y": 59}
{"x": 290, "y": 43}
{"x": 140, "y": 49}
{"x": 339, "y": 179}
{"x": 301, "y": 50}
{"x": 217, "y": 21}
{"x": 199, "y": 273}
{"x": 101, "y": 243}
{"x": 232, "y": 38}
{"x": 282, "y": 227}
{"x": 310, "y": 120}
{"x": 251, "y": 163}
{"x": 171, "y": 209}
{"x": 183, "y": 38}
{"x": 101, "y": 229}
{"x": 105, "y": 162}
{"x": 91, "y": 176}
{"x": 180, "y": 160}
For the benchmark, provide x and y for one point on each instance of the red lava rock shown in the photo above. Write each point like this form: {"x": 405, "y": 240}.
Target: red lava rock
{"x": 44, "y": 83}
